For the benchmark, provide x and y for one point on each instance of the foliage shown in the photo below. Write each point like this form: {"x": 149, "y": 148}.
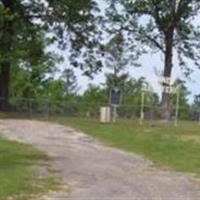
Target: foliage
{"x": 69, "y": 24}
{"x": 152, "y": 22}
{"x": 29, "y": 77}
{"x": 182, "y": 91}
{"x": 160, "y": 26}
{"x": 196, "y": 103}
{"x": 70, "y": 79}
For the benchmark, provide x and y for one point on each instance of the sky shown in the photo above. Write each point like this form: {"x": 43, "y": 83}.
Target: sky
{"x": 149, "y": 65}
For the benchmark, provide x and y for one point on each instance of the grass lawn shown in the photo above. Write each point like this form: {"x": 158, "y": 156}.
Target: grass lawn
{"x": 176, "y": 148}
{"x": 18, "y": 174}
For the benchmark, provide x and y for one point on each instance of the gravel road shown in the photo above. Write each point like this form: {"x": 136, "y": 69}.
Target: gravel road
{"x": 97, "y": 172}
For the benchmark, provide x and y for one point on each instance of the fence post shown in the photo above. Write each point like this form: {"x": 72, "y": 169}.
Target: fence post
{"x": 142, "y": 109}
{"x": 114, "y": 113}
{"x": 177, "y": 107}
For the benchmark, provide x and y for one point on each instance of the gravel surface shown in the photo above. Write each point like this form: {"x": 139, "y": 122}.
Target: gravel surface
{"x": 97, "y": 172}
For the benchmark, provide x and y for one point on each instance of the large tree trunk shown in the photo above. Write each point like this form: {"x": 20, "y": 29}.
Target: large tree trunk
{"x": 165, "y": 107}
{"x": 6, "y": 40}
{"x": 4, "y": 85}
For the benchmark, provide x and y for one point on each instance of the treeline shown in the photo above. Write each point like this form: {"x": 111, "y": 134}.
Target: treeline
{"x": 92, "y": 38}
{"x": 38, "y": 90}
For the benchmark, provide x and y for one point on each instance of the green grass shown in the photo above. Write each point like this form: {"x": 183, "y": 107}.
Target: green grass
{"x": 18, "y": 171}
{"x": 175, "y": 148}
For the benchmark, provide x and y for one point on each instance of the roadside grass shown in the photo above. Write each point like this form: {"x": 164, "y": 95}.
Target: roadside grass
{"x": 169, "y": 147}
{"x": 19, "y": 164}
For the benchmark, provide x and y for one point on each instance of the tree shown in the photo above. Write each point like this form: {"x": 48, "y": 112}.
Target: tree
{"x": 131, "y": 90}
{"x": 70, "y": 80}
{"x": 71, "y": 23}
{"x": 35, "y": 67}
{"x": 184, "y": 106}
{"x": 196, "y": 108}
{"x": 117, "y": 59}
{"x": 196, "y": 103}
{"x": 133, "y": 93}
{"x": 93, "y": 98}
{"x": 115, "y": 80}
{"x": 95, "y": 95}
{"x": 165, "y": 26}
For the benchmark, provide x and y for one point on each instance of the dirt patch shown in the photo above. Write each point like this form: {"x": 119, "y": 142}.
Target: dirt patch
{"x": 97, "y": 172}
{"x": 190, "y": 138}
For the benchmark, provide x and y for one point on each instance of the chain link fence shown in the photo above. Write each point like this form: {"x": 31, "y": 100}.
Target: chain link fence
{"x": 34, "y": 108}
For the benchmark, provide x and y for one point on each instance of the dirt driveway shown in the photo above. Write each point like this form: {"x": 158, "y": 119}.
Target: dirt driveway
{"x": 97, "y": 172}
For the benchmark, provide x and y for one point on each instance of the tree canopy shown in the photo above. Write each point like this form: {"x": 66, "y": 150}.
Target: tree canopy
{"x": 161, "y": 25}
{"x": 70, "y": 24}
